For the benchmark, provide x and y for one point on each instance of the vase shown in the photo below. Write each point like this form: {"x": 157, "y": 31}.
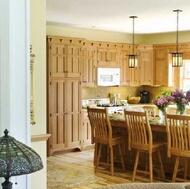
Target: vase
{"x": 180, "y": 109}
{"x": 162, "y": 115}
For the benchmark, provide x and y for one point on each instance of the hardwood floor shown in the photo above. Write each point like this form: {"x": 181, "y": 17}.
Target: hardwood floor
{"x": 84, "y": 160}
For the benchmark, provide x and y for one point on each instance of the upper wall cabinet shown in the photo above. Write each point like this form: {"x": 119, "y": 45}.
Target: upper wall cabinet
{"x": 64, "y": 56}
{"x": 88, "y": 64}
{"x": 161, "y": 63}
{"x": 145, "y": 71}
{"x": 129, "y": 76}
{"x": 164, "y": 73}
{"x": 108, "y": 55}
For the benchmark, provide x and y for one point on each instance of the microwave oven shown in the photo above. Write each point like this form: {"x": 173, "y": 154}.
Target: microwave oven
{"x": 108, "y": 76}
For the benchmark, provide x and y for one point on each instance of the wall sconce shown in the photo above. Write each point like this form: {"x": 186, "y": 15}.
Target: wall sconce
{"x": 133, "y": 58}
{"x": 16, "y": 158}
{"x": 177, "y": 57}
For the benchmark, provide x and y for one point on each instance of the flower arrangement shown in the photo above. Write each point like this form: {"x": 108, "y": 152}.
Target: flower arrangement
{"x": 181, "y": 99}
{"x": 162, "y": 103}
{"x": 178, "y": 96}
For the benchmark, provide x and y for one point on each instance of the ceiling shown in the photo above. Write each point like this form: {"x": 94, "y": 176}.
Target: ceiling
{"x": 154, "y": 16}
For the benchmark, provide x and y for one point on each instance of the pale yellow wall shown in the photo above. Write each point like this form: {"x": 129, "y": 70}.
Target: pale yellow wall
{"x": 95, "y": 35}
{"x": 117, "y": 37}
{"x": 165, "y": 38}
{"x": 38, "y": 42}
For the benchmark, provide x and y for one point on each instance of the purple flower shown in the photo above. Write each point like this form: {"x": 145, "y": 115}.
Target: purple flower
{"x": 180, "y": 97}
{"x": 188, "y": 95}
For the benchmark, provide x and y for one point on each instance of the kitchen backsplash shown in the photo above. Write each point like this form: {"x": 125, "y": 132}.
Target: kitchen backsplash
{"x": 103, "y": 92}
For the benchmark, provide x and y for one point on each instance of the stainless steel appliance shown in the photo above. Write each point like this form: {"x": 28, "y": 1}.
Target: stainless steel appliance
{"x": 145, "y": 97}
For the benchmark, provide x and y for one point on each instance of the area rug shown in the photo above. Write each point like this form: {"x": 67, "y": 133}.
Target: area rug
{"x": 61, "y": 177}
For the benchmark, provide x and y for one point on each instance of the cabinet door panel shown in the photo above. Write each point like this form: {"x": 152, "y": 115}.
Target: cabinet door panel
{"x": 108, "y": 57}
{"x": 113, "y": 58}
{"x": 129, "y": 76}
{"x": 57, "y": 60}
{"x": 73, "y": 115}
{"x": 86, "y": 134}
{"x": 102, "y": 57}
{"x": 146, "y": 67}
{"x": 56, "y": 125}
{"x": 88, "y": 66}
{"x": 64, "y": 61}
{"x": 161, "y": 67}
{"x": 73, "y": 61}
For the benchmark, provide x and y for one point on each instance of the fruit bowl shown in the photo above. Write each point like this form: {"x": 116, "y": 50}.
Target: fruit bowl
{"x": 134, "y": 100}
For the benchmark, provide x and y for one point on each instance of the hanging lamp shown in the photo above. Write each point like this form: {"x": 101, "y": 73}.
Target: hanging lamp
{"x": 133, "y": 58}
{"x": 177, "y": 57}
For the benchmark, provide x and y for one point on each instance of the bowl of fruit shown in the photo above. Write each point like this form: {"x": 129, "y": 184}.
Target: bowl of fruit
{"x": 134, "y": 99}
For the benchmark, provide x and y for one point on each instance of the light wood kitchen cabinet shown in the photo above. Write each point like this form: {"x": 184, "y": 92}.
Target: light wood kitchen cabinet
{"x": 129, "y": 76}
{"x": 86, "y": 129}
{"x": 64, "y": 114}
{"x": 108, "y": 55}
{"x": 161, "y": 67}
{"x": 124, "y": 69}
{"x": 164, "y": 73}
{"x": 64, "y": 56}
{"x": 145, "y": 71}
{"x": 88, "y": 65}
{"x": 64, "y": 101}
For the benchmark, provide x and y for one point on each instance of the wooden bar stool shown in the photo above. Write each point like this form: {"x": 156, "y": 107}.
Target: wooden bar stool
{"x": 102, "y": 129}
{"x": 140, "y": 139}
{"x": 178, "y": 144}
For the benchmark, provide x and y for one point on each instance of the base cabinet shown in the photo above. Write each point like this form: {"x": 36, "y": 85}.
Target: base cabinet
{"x": 86, "y": 130}
{"x": 64, "y": 114}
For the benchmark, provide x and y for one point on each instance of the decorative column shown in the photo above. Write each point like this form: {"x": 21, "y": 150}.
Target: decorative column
{"x": 15, "y": 75}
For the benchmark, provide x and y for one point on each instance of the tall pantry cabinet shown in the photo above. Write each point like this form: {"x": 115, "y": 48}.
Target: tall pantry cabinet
{"x": 64, "y": 93}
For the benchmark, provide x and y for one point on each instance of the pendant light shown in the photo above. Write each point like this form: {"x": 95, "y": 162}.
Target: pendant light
{"x": 177, "y": 57}
{"x": 133, "y": 58}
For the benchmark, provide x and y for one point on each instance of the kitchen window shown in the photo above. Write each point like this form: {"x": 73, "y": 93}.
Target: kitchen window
{"x": 185, "y": 80}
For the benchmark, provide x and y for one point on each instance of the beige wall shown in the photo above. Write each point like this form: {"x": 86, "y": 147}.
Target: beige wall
{"x": 38, "y": 42}
{"x": 165, "y": 38}
{"x": 117, "y": 37}
{"x": 90, "y": 34}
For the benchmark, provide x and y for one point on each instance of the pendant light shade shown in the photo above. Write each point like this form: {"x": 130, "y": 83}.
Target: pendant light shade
{"x": 133, "y": 59}
{"x": 177, "y": 57}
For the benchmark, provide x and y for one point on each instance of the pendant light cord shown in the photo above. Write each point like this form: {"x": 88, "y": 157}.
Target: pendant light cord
{"x": 177, "y": 28}
{"x": 133, "y": 34}
{"x": 133, "y": 41}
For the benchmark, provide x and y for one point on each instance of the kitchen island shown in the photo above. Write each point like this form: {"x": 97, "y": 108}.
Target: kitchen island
{"x": 159, "y": 133}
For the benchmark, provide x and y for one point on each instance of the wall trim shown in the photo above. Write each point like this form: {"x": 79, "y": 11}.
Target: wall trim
{"x": 41, "y": 137}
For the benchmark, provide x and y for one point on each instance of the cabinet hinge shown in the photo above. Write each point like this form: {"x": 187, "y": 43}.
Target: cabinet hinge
{"x": 50, "y": 83}
{"x": 50, "y": 47}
